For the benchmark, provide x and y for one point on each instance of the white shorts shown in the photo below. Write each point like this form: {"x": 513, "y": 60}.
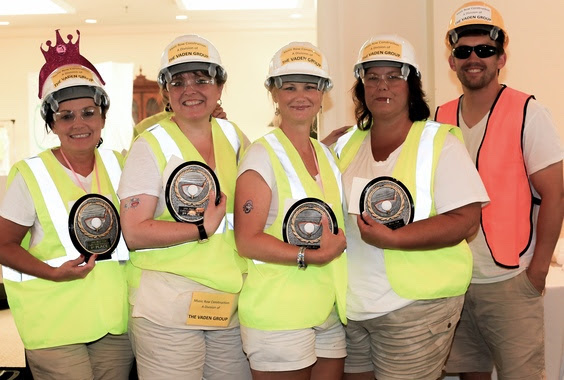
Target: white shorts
{"x": 290, "y": 350}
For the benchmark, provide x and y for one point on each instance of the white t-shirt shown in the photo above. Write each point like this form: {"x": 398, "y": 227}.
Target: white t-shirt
{"x": 141, "y": 174}
{"x": 161, "y": 297}
{"x": 457, "y": 184}
{"x": 541, "y": 148}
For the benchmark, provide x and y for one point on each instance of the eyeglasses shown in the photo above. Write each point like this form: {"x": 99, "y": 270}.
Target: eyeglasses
{"x": 180, "y": 85}
{"x": 87, "y": 114}
{"x": 482, "y": 51}
{"x": 372, "y": 80}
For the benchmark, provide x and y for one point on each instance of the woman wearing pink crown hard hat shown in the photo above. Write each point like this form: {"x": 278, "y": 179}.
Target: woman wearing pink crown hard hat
{"x": 61, "y": 246}
{"x": 176, "y": 195}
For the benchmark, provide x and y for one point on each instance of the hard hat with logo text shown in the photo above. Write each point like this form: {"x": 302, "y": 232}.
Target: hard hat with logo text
{"x": 67, "y": 75}
{"x": 299, "y": 62}
{"x": 190, "y": 53}
{"x": 476, "y": 16}
{"x": 384, "y": 50}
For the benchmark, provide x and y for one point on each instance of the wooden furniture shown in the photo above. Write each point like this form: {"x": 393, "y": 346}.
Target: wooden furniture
{"x": 147, "y": 99}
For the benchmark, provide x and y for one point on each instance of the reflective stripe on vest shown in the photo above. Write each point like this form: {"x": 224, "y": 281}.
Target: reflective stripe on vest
{"x": 343, "y": 140}
{"x": 424, "y": 170}
{"x": 112, "y": 166}
{"x": 298, "y": 191}
{"x": 231, "y": 134}
{"x": 296, "y": 187}
{"x": 59, "y": 217}
{"x": 170, "y": 148}
{"x": 424, "y": 167}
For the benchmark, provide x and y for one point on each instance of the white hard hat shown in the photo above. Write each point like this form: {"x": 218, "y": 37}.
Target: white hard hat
{"x": 67, "y": 75}
{"x": 383, "y": 50}
{"x": 299, "y": 62}
{"x": 190, "y": 53}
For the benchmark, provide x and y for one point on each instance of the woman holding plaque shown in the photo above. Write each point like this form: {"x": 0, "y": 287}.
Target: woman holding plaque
{"x": 61, "y": 245}
{"x": 413, "y": 197}
{"x": 177, "y": 192}
{"x": 292, "y": 303}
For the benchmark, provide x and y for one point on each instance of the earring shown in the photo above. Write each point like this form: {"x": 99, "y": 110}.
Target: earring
{"x": 168, "y": 107}
{"x": 277, "y": 111}
{"x": 99, "y": 142}
{"x": 321, "y": 109}
{"x": 219, "y": 102}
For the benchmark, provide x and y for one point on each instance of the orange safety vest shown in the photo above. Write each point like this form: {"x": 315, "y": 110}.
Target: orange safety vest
{"x": 507, "y": 221}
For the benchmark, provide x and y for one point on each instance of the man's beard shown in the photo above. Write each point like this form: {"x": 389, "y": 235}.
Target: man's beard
{"x": 476, "y": 83}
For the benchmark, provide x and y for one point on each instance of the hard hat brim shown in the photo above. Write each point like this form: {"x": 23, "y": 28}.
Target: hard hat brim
{"x": 54, "y": 99}
{"x": 188, "y": 67}
{"x": 300, "y": 78}
{"x": 75, "y": 92}
{"x": 466, "y": 30}
{"x": 369, "y": 64}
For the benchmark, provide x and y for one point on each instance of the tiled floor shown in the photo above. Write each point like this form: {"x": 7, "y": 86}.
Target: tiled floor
{"x": 11, "y": 347}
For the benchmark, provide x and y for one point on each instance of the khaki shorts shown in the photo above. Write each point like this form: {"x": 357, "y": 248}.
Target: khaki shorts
{"x": 503, "y": 324}
{"x": 291, "y": 350}
{"x": 171, "y": 353}
{"x": 109, "y": 358}
{"x": 410, "y": 343}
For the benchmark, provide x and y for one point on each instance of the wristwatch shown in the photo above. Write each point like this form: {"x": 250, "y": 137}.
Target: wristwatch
{"x": 202, "y": 231}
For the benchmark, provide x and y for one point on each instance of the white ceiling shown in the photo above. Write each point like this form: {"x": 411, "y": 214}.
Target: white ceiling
{"x": 141, "y": 14}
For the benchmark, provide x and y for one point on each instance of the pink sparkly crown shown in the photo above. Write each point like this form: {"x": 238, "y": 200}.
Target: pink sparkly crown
{"x": 60, "y": 55}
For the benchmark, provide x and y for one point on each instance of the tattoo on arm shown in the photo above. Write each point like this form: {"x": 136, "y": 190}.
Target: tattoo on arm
{"x": 132, "y": 203}
{"x": 248, "y": 206}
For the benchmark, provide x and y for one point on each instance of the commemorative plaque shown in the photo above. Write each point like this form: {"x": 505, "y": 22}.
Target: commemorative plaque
{"x": 94, "y": 226}
{"x": 302, "y": 223}
{"x": 188, "y": 190}
{"x": 388, "y": 202}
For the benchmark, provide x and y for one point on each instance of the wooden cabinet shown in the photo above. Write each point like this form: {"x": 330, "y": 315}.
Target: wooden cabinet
{"x": 147, "y": 99}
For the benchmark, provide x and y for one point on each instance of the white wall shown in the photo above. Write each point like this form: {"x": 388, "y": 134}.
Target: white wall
{"x": 245, "y": 54}
{"x": 534, "y": 64}
{"x": 534, "y": 55}
{"x": 343, "y": 26}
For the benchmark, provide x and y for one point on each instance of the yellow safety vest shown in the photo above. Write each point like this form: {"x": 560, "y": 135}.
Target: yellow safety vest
{"x": 283, "y": 297}
{"x": 216, "y": 263}
{"x": 419, "y": 274}
{"x": 149, "y": 122}
{"x": 51, "y": 314}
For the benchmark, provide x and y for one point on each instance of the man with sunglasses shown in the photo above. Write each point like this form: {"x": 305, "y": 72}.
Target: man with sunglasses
{"x": 517, "y": 151}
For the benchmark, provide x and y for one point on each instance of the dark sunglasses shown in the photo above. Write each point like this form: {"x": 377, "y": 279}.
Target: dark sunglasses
{"x": 482, "y": 51}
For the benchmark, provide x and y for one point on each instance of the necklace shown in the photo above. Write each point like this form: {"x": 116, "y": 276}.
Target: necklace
{"x": 76, "y": 176}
